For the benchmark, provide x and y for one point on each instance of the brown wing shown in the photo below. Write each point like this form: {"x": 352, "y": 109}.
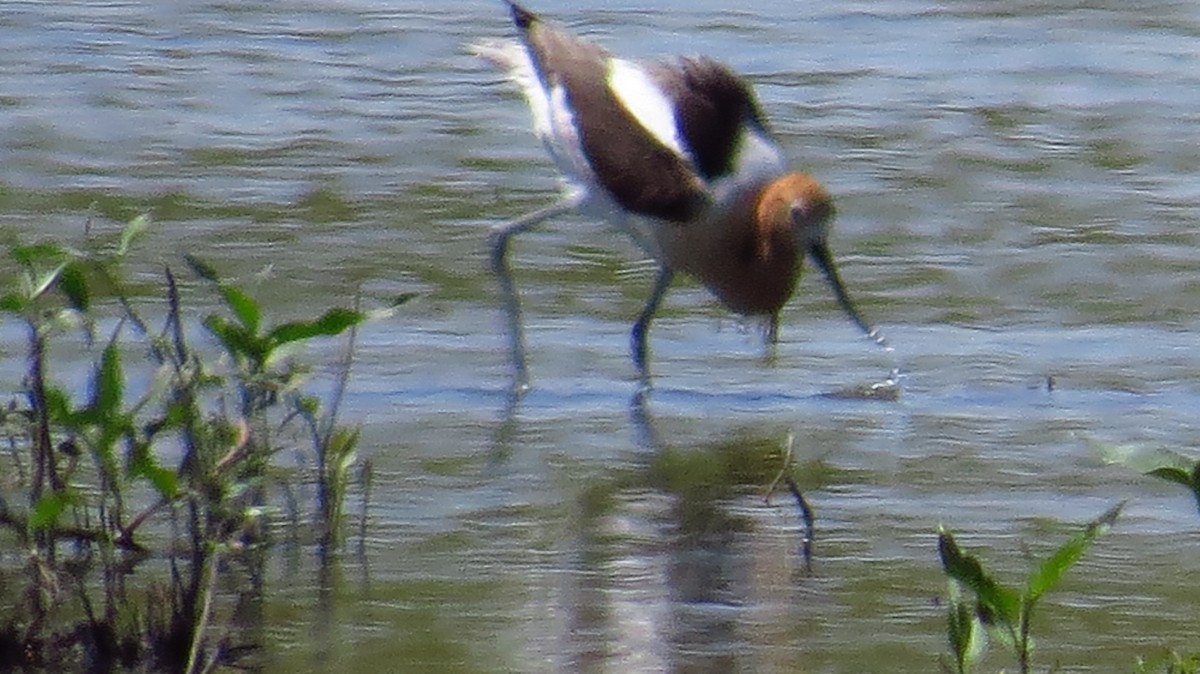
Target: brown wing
{"x": 638, "y": 172}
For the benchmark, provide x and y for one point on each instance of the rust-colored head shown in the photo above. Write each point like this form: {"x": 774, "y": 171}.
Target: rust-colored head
{"x": 799, "y": 203}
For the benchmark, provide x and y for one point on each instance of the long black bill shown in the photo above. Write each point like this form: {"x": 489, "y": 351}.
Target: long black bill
{"x": 820, "y": 254}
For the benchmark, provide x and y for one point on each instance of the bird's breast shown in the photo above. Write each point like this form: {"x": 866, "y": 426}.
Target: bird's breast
{"x": 751, "y": 271}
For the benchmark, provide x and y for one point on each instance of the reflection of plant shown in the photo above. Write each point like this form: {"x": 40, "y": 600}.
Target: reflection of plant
{"x": 1005, "y": 611}
{"x": 93, "y": 458}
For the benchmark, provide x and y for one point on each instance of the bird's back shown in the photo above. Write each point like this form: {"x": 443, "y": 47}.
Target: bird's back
{"x": 668, "y": 140}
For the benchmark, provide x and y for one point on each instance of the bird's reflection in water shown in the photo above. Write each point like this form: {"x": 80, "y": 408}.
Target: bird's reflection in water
{"x": 672, "y": 562}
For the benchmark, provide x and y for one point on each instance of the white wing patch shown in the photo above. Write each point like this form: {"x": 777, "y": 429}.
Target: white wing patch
{"x": 638, "y": 94}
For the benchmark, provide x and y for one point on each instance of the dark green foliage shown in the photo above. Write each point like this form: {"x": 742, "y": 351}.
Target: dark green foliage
{"x": 1003, "y": 610}
{"x": 1165, "y": 464}
{"x": 89, "y": 453}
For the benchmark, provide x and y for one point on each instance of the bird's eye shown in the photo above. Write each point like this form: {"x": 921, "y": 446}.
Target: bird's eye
{"x": 805, "y": 210}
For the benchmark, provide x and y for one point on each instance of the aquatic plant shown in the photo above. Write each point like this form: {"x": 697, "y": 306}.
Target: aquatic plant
{"x": 1161, "y": 462}
{"x": 1001, "y": 610}
{"x": 1169, "y": 663}
{"x": 108, "y": 482}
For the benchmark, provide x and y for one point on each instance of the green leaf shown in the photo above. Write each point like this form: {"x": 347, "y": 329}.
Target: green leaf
{"x": 1144, "y": 459}
{"x": 14, "y": 303}
{"x": 243, "y": 306}
{"x": 968, "y": 639}
{"x": 35, "y": 253}
{"x": 308, "y": 404}
{"x": 1002, "y": 604}
{"x": 1196, "y": 484}
{"x": 144, "y": 465}
{"x": 1159, "y": 462}
{"x": 48, "y": 509}
{"x": 239, "y": 343}
{"x": 1051, "y": 571}
{"x": 74, "y": 285}
{"x": 109, "y": 383}
{"x": 332, "y": 322}
{"x": 202, "y": 269}
{"x": 133, "y": 229}
{"x": 58, "y": 406}
{"x": 1173, "y": 474}
{"x": 342, "y": 446}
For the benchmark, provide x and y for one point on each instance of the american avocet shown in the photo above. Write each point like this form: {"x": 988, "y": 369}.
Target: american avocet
{"x": 676, "y": 154}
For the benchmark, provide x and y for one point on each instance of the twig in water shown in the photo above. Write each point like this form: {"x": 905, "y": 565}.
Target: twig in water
{"x": 806, "y": 513}
{"x": 366, "y": 476}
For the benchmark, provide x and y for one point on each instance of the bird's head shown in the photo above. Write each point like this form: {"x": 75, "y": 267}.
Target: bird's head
{"x": 799, "y": 203}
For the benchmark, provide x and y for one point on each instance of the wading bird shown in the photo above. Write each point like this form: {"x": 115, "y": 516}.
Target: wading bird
{"x": 676, "y": 154}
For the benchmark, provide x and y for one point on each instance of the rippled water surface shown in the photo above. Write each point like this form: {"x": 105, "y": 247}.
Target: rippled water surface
{"x": 1017, "y": 186}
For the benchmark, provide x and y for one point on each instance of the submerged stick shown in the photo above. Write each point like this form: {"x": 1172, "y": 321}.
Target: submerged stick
{"x": 806, "y": 512}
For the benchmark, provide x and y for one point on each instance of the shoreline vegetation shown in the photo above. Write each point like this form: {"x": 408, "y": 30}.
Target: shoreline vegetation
{"x": 180, "y": 477}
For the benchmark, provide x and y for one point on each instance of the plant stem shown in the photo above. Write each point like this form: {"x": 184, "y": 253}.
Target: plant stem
{"x": 193, "y": 665}
{"x": 1023, "y": 639}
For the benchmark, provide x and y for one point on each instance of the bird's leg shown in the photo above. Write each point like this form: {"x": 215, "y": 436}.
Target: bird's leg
{"x": 773, "y": 329}
{"x": 508, "y": 294}
{"x": 771, "y": 339}
{"x": 638, "y": 336}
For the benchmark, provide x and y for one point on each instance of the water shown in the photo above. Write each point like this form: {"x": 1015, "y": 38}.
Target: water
{"x": 1017, "y": 185}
